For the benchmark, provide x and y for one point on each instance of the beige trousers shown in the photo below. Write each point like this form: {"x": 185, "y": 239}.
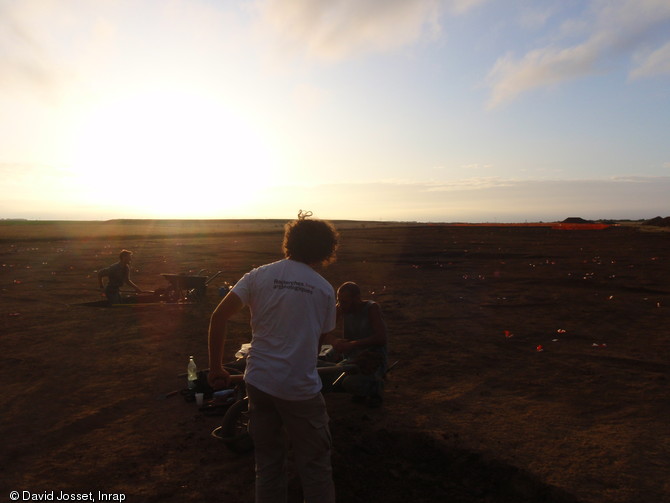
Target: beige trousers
{"x": 305, "y": 423}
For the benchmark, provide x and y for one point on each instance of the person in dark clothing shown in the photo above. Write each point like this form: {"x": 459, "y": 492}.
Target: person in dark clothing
{"x": 117, "y": 275}
{"x": 364, "y": 342}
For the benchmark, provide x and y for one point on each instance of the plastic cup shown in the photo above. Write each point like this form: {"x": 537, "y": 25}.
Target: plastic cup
{"x": 199, "y": 399}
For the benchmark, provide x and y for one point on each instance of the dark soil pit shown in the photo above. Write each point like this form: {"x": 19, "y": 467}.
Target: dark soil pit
{"x": 401, "y": 466}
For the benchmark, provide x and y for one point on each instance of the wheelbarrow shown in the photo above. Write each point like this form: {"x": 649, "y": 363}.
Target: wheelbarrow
{"x": 185, "y": 288}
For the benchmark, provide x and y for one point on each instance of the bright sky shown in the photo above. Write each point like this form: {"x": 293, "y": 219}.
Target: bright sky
{"x": 453, "y": 110}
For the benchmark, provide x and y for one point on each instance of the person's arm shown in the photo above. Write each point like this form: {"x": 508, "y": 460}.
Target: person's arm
{"x": 101, "y": 274}
{"x": 378, "y": 337}
{"x": 338, "y": 312}
{"x": 129, "y": 282}
{"x": 231, "y": 304}
{"x": 134, "y": 286}
{"x": 329, "y": 338}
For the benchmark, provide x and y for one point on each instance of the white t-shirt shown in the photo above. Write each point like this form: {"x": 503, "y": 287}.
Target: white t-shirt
{"x": 291, "y": 306}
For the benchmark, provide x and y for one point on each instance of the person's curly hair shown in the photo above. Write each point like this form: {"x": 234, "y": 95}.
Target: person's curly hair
{"x": 310, "y": 241}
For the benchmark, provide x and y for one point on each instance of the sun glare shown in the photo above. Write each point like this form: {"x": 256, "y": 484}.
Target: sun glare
{"x": 171, "y": 155}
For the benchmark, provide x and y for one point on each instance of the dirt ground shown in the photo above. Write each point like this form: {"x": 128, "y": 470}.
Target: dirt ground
{"x": 474, "y": 412}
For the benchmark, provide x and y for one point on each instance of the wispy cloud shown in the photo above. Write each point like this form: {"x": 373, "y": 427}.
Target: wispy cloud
{"x": 477, "y": 166}
{"x": 616, "y": 29}
{"x": 536, "y": 17}
{"x": 472, "y": 183}
{"x": 653, "y": 63}
{"x": 485, "y": 199}
{"x": 25, "y": 62}
{"x": 339, "y": 29}
{"x": 511, "y": 77}
{"x": 476, "y": 199}
{"x": 54, "y": 48}
{"x": 462, "y": 6}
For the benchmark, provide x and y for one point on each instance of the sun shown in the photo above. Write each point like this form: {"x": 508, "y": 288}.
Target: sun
{"x": 171, "y": 155}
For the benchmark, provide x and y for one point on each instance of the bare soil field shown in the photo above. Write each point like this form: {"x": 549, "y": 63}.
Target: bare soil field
{"x": 533, "y": 364}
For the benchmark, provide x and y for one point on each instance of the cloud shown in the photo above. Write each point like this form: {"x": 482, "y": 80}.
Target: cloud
{"x": 537, "y": 17}
{"x": 462, "y": 6}
{"x": 68, "y": 49}
{"x": 539, "y": 68}
{"x": 654, "y": 63}
{"x": 339, "y": 29}
{"x": 472, "y": 183}
{"x": 481, "y": 199}
{"x": 34, "y": 192}
{"x": 476, "y": 166}
{"x": 617, "y": 28}
{"x": 24, "y": 60}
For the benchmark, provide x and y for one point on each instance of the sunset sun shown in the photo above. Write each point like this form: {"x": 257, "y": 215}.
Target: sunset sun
{"x": 171, "y": 154}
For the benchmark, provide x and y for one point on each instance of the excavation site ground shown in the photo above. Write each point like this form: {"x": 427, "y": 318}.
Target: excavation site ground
{"x": 533, "y": 363}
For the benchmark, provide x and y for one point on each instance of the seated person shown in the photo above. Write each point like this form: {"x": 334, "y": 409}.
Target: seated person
{"x": 364, "y": 343}
{"x": 118, "y": 274}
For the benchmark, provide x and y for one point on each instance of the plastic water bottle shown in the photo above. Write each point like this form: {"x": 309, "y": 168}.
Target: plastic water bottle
{"x": 243, "y": 352}
{"x": 192, "y": 371}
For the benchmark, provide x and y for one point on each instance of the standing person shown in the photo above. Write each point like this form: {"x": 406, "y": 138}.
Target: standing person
{"x": 365, "y": 343}
{"x": 292, "y": 307}
{"x": 118, "y": 274}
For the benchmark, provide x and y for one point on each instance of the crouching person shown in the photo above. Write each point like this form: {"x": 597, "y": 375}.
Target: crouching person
{"x": 117, "y": 275}
{"x": 364, "y": 343}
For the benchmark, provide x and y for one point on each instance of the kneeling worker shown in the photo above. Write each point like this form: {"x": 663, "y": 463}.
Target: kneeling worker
{"x": 118, "y": 274}
{"x": 364, "y": 343}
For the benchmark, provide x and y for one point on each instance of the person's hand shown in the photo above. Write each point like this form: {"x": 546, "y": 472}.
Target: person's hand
{"x": 218, "y": 379}
{"x": 342, "y": 346}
